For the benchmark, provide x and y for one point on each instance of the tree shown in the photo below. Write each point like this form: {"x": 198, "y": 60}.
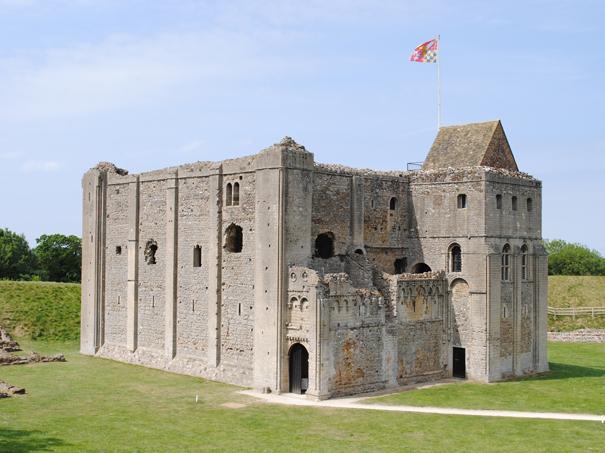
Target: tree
{"x": 573, "y": 259}
{"x": 16, "y": 259}
{"x": 59, "y": 257}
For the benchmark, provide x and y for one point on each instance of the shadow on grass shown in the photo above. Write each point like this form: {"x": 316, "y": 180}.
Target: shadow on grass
{"x": 566, "y": 371}
{"x": 18, "y": 441}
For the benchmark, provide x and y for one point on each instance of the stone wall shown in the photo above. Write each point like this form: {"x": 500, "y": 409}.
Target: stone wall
{"x": 578, "y": 336}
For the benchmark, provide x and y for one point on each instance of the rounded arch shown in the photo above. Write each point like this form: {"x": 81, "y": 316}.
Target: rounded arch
{"x": 229, "y": 194}
{"x": 455, "y": 257}
{"x": 298, "y": 360}
{"x": 421, "y": 268}
{"x": 236, "y": 194}
{"x": 324, "y": 245}
{"x": 393, "y": 203}
{"x": 505, "y": 263}
{"x": 234, "y": 238}
{"x": 524, "y": 262}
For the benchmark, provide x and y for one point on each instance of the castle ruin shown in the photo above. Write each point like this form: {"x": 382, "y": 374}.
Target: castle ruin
{"x": 279, "y": 273}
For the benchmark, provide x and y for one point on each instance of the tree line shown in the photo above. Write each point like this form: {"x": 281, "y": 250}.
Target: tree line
{"x": 56, "y": 257}
{"x": 565, "y": 258}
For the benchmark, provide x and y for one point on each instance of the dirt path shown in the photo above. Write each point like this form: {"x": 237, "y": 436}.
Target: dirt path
{"x": 354, "y": 403}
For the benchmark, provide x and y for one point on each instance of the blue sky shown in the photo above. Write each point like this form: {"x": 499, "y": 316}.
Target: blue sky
{"x": 148, "y": 84}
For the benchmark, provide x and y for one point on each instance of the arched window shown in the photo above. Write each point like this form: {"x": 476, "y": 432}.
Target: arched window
{"x": 506, "y": 263}
{"x": 524, "y": 263}
{"x": 514, "y": 203}
{"x": 324, "y": 245}
{"x": 234, "y": 239}
{"x": 236, "y": 194}
{"x": 455, "y": 258}
{"x": 530, "y": 205}
{"x": 229, "y": 195}
{"x": 197, "y": 256}
{"x": 498, "y": 201}
{"x": 420, "y": 268}
{"x": 393, "y": 204}
{"x": 461, "y": 201}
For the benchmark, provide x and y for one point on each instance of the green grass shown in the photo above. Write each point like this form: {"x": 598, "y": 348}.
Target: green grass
{"x": 41, "y": 310}
{"x": 576, "y": 383}
{"x": 576, "y": 291}
{"x": 91, "y": 404}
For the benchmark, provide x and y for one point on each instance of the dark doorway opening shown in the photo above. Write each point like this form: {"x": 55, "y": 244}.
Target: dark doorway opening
{"x": 299, "y": 369}
{"x": 324, "y": 245}
{"x": 459, "y": 365}
{"x": 400, "y": 264}
{"x": 420, "y": 268}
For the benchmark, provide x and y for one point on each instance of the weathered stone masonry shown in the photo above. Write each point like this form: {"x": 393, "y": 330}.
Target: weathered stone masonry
{"x": 275, "y": 272}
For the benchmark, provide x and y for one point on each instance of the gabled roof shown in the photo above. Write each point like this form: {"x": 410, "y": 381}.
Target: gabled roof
{"x": 471, "y": 145}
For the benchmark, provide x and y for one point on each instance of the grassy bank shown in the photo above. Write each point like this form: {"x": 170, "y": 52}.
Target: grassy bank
{"x": 41, "y": 310}
{"x": 576, "y": 291}
{"x": 90, "y": 404}
{"x": 576, "y": 383}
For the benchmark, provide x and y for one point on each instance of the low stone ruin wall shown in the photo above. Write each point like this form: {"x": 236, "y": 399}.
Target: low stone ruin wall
{"x": 578, "y": 336}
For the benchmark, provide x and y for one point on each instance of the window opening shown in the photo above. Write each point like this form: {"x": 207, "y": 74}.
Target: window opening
{"x": 118, "y": 249}
{"x": 461, "y": 201}
{"x": 400, "y": 264}
{"x": 324, "y": 245}
{"x": 229, "y": 195}
{"x": 514, "y": 203}
{"x": 530, "y": 205}
{"x": 524, "y": 259}
{"x": 455, "y": 258}
{"x": 197, "y": 256}
{"x": 420, "y": 268}
{"x": 506, "y": 263}
{"x": 236, "y": 194}
{"x": 393, "y": 204}
{"x": 234, "y": 238}
{"x": 150, "y": 250}
{"x": 498, "y": 201}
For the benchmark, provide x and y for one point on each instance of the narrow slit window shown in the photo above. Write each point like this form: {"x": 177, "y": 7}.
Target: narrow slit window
{"x": 524, "y": 263}
{"x": 236, "y": 194}
{"x": 461, "y": 201}
{"x": 229, "y": 195}
{"x": 393, "y": 204}
{"x": 506, "y": 263}
{"x": 118, "y": 249}
{"x": 530, "y": 205}
{"x": 498, "y": 201}
{"x": 197, "y": 256}
{"x": 514, "y": 203}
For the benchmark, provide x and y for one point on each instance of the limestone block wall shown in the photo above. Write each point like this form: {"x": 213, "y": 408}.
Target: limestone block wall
{"x": 116, "y": 263}
{"x": 193, "y": 288}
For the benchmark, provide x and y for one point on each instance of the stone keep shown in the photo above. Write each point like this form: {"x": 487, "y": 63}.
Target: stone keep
{"x": 279, "y": 273}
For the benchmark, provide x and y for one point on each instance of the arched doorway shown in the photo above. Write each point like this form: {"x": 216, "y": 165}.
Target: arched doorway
{"x": 420, "y": 268}
{"x": 299, "y": 368}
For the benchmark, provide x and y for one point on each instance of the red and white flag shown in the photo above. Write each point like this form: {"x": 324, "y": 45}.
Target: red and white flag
{"x": 426, "y": 52}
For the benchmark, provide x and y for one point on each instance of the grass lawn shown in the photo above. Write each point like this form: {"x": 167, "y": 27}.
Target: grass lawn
{"x": 91, "y": 404}
{"x": 576, "y": 383}
{"x": 576, "y": 291}
{"x": 41, "y": 309}
{"x": 565, "y": 291}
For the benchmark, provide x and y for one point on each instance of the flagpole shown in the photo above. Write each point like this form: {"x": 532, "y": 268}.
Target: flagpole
{"x": 438, "y": 82}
